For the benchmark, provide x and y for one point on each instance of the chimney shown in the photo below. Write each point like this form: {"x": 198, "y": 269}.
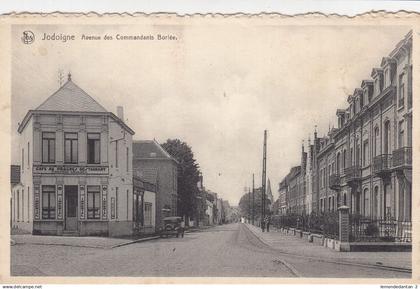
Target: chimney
{"x": 120, "y": 112}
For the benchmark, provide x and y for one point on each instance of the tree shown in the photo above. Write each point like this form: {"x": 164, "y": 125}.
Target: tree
{"x": 188, "y": 176}
{"x": 245, "y": 204}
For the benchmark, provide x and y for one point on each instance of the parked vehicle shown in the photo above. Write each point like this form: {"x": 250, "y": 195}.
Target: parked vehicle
{"x": 172, "y": 226}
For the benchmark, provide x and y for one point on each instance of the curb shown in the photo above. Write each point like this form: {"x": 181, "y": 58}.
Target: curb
{"x": 384, "y": 267}
{"x": 135, "y": 241}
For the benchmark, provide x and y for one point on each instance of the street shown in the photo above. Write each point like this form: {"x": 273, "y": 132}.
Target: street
{"x": 223, "y": 251}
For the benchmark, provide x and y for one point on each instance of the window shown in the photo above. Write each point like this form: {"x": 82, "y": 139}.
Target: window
{"x": 345, "y": 199}
{"x": 386, "y": 80}
{"x": 377, "y": 142}
{"x": 387, "y": 137}
{"x": 366, "y": 202}
{"x": 48, "y": 147}
{"x": 93, "y": 148}
{"x": 48, "y": 202}
{"x": 27, "y": 161}
{"x": 401, "y": 134}
{"x": 93, "y": 202}
{"x": 148, "y": 214}
{"x": 344, "y": 158}
{"x": 401, "y": 91}
{"x": 338, "y": 163}
{"x": 127, "y": 158}
{"x": 70, "y": 148}
{"x": 365, "y": 153}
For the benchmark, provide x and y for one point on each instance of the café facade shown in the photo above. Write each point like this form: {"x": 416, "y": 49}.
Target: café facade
{"x": 76, "y": 168}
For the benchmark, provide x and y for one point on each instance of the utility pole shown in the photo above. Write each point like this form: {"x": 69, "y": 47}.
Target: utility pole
{"x": 249, "y": 205}
{"x": 264, "y": 172}
{"x": 253, "y": 199}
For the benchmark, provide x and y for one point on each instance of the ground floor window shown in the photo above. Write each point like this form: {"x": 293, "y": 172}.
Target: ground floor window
{"x": 148, "y": 214}
{"x": 48, "y": 202}
{"x": 93, "y": 202}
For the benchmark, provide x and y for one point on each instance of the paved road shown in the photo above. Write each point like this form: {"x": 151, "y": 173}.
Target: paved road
{"x": 224, "y": 251}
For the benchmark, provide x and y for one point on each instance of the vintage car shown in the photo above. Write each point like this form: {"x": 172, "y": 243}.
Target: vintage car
{"x": 172, "y": 226}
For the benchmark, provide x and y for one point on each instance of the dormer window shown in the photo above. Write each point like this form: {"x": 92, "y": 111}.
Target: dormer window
{"x": 387, "y": 81}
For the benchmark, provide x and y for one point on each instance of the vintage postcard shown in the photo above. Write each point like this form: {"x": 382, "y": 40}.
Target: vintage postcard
{"x": 220, "y": 147}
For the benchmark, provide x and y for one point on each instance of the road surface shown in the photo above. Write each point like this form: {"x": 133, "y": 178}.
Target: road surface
{"x": 223, "y": 251}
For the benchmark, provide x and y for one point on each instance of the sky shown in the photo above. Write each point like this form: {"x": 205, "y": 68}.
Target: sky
{"x": 217, "y": 87}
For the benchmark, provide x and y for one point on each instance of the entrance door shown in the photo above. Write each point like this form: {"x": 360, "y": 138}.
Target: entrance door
{"x": 71, "y": 206}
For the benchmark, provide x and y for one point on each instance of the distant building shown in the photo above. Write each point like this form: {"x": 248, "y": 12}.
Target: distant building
{"x": 76, "y": 171}
{"x": 144, "y": 206}
{"x": 154, "y": 164}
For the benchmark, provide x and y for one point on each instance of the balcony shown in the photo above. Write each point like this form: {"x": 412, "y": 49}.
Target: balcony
{"x": 334, "y": 182}
{"x": 402, "y": 158}
{"x": 382, "y": 164}
{"x": 352, "y": 174}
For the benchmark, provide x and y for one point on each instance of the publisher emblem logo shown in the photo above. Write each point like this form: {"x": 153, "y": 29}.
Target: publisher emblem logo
{"x": 28, "y": 37}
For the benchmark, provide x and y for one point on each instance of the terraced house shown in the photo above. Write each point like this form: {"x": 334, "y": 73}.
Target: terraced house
{"x": 366, "y": 162}
{"x": 373, "y": 141}
{"x": 76, "y": 170}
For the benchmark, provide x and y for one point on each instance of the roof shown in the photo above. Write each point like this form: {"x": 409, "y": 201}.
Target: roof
{"x": 14, "y": 174}
{"x": 150, "y": 149}
{"x": 70, "y": 97}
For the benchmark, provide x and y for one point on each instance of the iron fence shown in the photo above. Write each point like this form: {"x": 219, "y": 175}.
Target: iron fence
{"x": 325, "y": 224}
{"x": 364, "y": 229}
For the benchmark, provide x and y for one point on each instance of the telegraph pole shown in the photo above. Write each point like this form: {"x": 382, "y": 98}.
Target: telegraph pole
{"x": 253, "y": 199}
{"x": 264, "y": 172}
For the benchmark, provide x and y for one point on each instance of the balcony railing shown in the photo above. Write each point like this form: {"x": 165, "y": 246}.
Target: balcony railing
{"x": 382, "y": 163}
{"x": 334, "y": 182}
{"x": 352, "y": 174}
{"x": 402, "y": 157}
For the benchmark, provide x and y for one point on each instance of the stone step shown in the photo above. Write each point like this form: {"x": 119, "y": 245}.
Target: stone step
{"x": 71, "y": 233}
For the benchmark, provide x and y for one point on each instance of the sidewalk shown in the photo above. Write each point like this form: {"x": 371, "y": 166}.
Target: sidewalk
{"x": 290, "y": 244}
{"x": 87, "y": 242}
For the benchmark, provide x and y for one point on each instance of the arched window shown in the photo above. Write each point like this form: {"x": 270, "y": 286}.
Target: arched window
{"x": 345, "y": 199}
{"x": 366, "y": 202}
{"x": 376, "y": 144}
{"x": 375, "y": 212}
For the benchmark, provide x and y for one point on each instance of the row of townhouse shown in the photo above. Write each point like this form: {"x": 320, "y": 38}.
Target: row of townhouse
{"x": 366, "y": 162}
{"x": 81, "y": 173}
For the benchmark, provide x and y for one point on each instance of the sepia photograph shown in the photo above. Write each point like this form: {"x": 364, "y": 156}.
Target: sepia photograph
{"x": 211, "y": 147}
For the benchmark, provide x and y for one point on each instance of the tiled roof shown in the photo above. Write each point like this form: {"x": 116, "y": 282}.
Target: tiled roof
{"x": 14, "y": 174}
{"x": 70, "y": 97}
{"x": 148, "y": 149}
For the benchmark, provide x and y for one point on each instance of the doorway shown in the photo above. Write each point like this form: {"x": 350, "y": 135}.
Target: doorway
{"x": 71, "y": 207}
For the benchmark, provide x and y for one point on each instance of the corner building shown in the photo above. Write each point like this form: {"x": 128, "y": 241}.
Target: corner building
{"x": 76, "y": 166}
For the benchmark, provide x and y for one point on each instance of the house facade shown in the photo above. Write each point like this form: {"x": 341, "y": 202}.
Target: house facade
{"x": 155, "y": 165}
{"x": 366, "y": 162}
{"x": 76, "y": 170}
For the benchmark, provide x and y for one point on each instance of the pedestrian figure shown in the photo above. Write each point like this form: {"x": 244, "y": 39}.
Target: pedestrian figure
{"x": 182, "y": 227}
{"x": 268, "y": 224}
{"x": 262, "y": 225}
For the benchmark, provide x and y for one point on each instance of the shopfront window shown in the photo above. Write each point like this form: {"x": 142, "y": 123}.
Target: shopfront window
{"x": 48, "y": 202}
{"x": 93, "y": 202}
{"x": 48, "y": 147}
{"x": 93, "y": 148}
{"x": 70, "y": 148}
